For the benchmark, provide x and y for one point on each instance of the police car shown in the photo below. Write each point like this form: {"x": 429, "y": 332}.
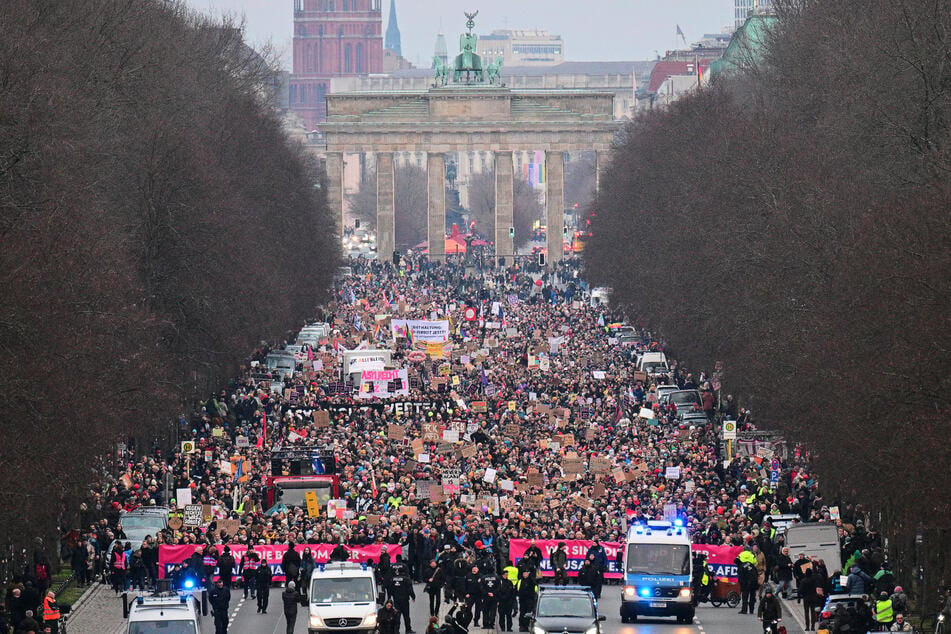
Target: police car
{"x": 561, "y": 609}
{"x": 166, "y": 612}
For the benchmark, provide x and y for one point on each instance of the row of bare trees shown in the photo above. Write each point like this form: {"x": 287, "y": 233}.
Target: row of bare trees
{"x": 793, "y": 222}
{"x": 155, "y": 225}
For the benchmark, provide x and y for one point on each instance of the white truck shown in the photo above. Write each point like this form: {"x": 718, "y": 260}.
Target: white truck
{"x": 166, "y": 612}
{"x": 657, "y": 572}
{"x": 342, "y": 599}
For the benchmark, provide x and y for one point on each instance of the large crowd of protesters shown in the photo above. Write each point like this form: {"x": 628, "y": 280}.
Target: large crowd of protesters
{"x": 558, "y": 387}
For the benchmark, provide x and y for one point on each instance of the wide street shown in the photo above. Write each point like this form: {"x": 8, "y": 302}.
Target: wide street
{"x": 709, "y": 620}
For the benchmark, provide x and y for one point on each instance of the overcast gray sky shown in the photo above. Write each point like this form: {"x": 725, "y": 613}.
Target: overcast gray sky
{"x": 601, "y": 30}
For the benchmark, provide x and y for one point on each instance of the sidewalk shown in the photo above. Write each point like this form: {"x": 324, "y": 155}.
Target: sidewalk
{"x": 98, "y": 611}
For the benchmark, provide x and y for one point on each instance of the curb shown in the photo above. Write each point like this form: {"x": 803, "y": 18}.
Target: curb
{"x": 84, "y": 597}
{"x": 795, "y": 611}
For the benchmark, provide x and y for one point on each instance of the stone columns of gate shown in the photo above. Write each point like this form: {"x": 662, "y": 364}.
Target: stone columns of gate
{"x": 385, "y": 206}
{"x": 435, "y": 178}
{"x": 555, "y": 204}
{"x": 601, "y": 159}
{"x": 335, "y": 187}
{"x": 504, "y": 206}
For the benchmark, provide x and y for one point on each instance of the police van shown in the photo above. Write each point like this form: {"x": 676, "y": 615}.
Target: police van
{"x": 657, "y": 572}
{"x": 342, "y": 598}
{"x": 165, "y": 612}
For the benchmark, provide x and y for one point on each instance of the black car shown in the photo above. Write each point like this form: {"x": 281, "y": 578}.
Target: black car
{"x": 566, "y": 609}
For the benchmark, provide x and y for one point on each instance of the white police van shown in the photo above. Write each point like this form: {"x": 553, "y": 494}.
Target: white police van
{"x": 657, "y": 572}
{"x": 342, "y": 598}
{"x": 167, "y": 612}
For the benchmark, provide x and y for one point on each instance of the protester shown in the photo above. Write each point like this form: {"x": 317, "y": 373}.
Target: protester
{"x": 545, "y": 444}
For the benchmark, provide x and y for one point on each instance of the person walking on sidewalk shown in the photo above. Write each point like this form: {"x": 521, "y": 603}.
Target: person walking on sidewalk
{"x": 220, "y": 600}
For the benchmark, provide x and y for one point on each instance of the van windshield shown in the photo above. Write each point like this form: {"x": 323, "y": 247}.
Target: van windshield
{"x": 162, "y": 627}
{"x": 342, "y": 590}
{"x": 658, "y": 559}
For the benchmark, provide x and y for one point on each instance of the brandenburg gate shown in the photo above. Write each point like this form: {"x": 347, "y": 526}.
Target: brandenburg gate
{"x": 469, "y": 111}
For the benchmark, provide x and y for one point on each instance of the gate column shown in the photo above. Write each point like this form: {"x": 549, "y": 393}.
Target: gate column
{"x": 385, "y": 206}
{"x": 504, "y": 206}
{"x": 555, "y": 204}
{"x": 435, "y": 177}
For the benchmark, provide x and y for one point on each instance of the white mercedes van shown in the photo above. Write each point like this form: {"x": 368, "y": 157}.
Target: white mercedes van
{"x": 342, "y": 598}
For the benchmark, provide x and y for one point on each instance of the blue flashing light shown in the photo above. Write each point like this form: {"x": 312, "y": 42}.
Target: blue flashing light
{"x": 321, "y": 567}
{"x": 363, "y": 565}
{"x": 189, "y": 584}
{"x": 140, "y": 599}
{"x": 678, "y": 522}
{"x": 645, "y": 592}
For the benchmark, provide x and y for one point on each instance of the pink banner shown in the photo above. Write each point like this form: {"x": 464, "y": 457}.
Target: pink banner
{"x": 721, "y": 559}
{"x": 576, "y": 550}
{"x": 170, "y": 556}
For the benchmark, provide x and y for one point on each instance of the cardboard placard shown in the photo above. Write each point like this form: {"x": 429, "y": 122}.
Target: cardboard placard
{"x": 469, "y": 451}
{"x": 572, "y": 465}
{"x": 533, "y": 502}
{"x": 598, "y": 490}
{"x": 600, "y": 464}
{"x": 512, "y": 429}
{"x": 535, "y": 479}
{"x": 321, "y": 419}
{"x": 395, "y": 432}
{"x": 480, "y": 406}
{"x": 418, "y": 446}
{"x": 229, "y": 527}
{"x": 408, "y": 511}
{"x": 192, "y": 516}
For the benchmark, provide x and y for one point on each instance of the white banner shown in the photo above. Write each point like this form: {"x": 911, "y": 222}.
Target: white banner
{"x": 431, "y": 331}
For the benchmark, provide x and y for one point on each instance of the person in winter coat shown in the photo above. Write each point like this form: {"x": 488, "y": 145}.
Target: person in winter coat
{"x": 220, "y": 600}
{"x": 226, "y": 567}
{"x": 307, "y": 565}
{"x": 811, "y": 599}
{"x": 527, "y": 590}
{"x": 559, "y": 563}
{"x": 339, "y": 553}
{"x": 434, "y": 582}
{"x": 388, "y": 619}
{"x": 770, "y": 609}
{"x": 859, "y": 582}
{"x": 746, "y": 570}
{"x": 600, "y": 555}
{"x": 591, "y": 574}
{"x": 290, "y": 598}
{"x": 262, "y": 579}
{"x": 506, "y": 606}
{"x": 401, "y": 591}
{"x": 248, "y": 567}
{"x": 290, "y": 562}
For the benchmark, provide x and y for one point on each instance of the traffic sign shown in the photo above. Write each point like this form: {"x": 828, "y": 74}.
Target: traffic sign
{"x": 729, "y": 430}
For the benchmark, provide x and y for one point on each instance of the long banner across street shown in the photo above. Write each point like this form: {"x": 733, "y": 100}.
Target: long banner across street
{"x": 720, "y": 558}
{"x": 171, "y": 556}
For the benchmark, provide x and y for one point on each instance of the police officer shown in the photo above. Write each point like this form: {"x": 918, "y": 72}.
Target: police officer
{"x": 527, "y": 590}
{"x": 220, "y": 600}
{"x": 262, "y": 578}
{"x": 506, "y": 603}
{"x": 401, "y": 591}
{"x": 490, "y": 585}
{"x": 473, "y": 594}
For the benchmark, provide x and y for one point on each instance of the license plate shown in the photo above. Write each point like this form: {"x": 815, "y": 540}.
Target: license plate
{"x": 658, "y": 605}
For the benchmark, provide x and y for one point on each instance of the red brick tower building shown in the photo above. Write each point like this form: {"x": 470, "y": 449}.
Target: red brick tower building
{"x": 332, "y": 38}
